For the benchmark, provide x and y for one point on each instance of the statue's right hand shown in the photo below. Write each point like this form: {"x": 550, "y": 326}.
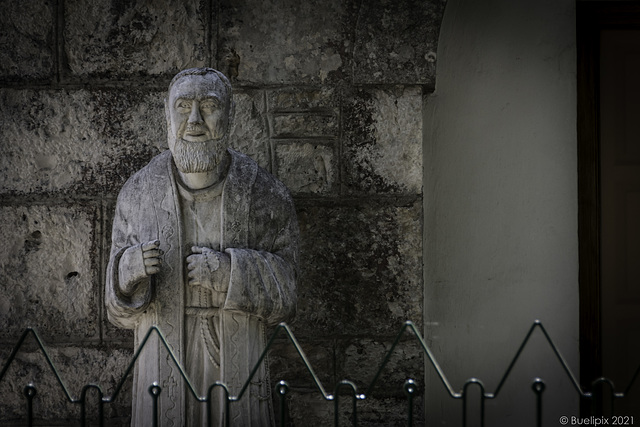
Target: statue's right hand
{"x": 137, "y": 263}
{"x": 151, "y": 254}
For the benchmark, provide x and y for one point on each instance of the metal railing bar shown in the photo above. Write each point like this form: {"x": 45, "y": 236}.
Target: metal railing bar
{"x": 83, "y": 404}
{"x": 538, "y": 388}
{"x": 173, "y": 358}
{"x": 632, "y": 381}
{"x": 387, "y": 357}
{"x": 410, "y": 389}
{"x": 483, "y": 395}
{"x": 409, "y": 325}
{"x": 598, "y": 395}
{"x": 514, "y": 360}
{"x": 283, "y": 326}
{"x": 154, "y": 391}
{"x": 563, "y": 362}
{"x": 354, "y": 398}
{"x": 434, "y": 363}
{"x": 565, "y": 366}
{"x": 30, "y": 392}
{"x": 15, "y": 350}
{"x": 226, "y": 402}
{"x": 282, "y": 388}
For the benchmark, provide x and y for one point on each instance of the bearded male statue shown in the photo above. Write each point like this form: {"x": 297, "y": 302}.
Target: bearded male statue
{"x": 204, "y": 246}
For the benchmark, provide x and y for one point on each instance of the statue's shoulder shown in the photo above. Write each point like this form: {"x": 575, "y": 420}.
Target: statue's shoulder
{"x": 157, "y": 166}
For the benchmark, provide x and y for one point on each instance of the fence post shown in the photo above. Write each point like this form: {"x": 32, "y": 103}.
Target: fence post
{"x": 155, "y": 391}
{"x": 336, "y": 395}
{"x": 83, "y": 405}
{"x": 464, "y": 400}
{"x": 410, "y": 389}
{"x": 30, "y": 392}
{"x": 538, "y": 387}
{"x": 598, "y": 387}
{"x": 283, "y": 389}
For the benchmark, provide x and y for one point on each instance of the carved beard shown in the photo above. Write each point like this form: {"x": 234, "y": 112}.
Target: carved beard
{"x": 195, "y": 157}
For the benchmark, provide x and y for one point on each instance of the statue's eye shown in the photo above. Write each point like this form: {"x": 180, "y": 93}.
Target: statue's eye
{"x": 209, "y": 106}
{"x": 183, "y": 105}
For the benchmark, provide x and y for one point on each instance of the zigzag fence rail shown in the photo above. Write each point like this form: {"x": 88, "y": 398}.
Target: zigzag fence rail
{"x": 282, "y": 388}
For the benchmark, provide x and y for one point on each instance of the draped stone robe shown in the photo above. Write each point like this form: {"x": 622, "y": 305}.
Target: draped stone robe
{"x": 259, "y": 232}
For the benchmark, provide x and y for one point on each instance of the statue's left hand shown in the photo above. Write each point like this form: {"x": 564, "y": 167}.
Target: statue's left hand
{"x": 209, "y": 268}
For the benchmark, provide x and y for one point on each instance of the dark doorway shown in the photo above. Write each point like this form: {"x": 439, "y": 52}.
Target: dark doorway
{"x": 609, "y": 198}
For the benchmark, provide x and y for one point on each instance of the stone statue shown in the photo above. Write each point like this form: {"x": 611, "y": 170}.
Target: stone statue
{"x": 205, "y": 246}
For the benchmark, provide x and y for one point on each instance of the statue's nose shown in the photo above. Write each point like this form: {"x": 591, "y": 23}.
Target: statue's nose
{"x": 195, "y": 116}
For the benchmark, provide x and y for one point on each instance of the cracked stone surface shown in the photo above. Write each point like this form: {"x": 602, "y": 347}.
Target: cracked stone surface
{"x": 48, "y": 275}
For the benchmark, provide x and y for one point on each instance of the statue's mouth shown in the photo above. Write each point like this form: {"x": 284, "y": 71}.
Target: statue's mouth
{"x": 196, "y": 136}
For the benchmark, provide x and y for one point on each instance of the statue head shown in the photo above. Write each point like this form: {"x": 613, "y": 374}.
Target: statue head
{"x": 199, "y": 110}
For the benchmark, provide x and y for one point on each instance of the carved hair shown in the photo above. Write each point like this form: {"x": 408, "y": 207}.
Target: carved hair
{"x": 201, "y": 72}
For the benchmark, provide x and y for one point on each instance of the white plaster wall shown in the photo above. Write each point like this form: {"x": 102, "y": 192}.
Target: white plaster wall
{"x": 501, "y": 242}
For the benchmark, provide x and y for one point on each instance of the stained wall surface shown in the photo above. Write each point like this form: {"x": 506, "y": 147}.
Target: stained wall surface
{"x": 329, "y": 97}
{"x": 501, "y": 239}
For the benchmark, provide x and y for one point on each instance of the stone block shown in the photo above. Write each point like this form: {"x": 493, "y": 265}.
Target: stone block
{"x": 131, "y": 126}
{"x": 361, "y": 269}
{"x": 397, "y": 41}
{"x": 118, "y": 39}
{"x": 275, "y": 42}
{"x": 287, "y": 365}
{"x": 249, "y": 133}
{"x": 77, "y": 142}
{"x": 301, "y": 125}
{"x": 26, "y": 40}
{"x": 360, "y": 359}
{"x": 310, "y": 409}
{"x": 306, "y": 167}
{"x": 48, "y": 274}
{"x": 302, "y": 99}
{"x": 388, "y": 412}
{"x": 382, "y": 142}
{"x": 77, "y": 367}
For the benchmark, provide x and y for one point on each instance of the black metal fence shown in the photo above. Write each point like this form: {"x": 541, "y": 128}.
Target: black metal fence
{"x": 282, "y": 388}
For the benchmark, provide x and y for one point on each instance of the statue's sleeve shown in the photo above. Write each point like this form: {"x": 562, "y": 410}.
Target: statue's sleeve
{"x": 123, "y": 310}
{"x": 263, "y": 281}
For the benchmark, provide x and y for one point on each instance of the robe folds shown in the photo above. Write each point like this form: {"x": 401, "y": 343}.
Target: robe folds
{"x": 259, "y": 231}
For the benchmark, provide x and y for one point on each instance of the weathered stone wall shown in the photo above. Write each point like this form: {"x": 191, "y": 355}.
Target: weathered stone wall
{"x": 329, "y": 98}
